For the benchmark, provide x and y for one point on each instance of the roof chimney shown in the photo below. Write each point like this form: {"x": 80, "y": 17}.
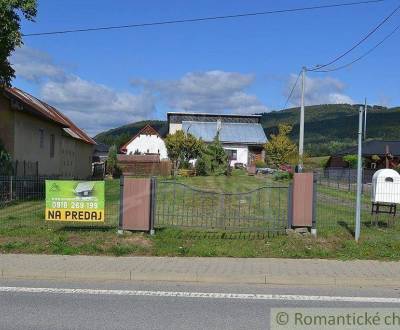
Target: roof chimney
{"x": 219, "y": 125}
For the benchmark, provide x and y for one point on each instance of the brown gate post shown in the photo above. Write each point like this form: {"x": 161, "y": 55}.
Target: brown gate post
{"x": 136, "y": 207}
{"x": 302, "y": 200}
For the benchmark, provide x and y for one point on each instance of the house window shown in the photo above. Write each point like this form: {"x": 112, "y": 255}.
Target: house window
{"x": 41, "y": 138}
{"x": 232, "y": 154}
{"x": 52, "y": 145}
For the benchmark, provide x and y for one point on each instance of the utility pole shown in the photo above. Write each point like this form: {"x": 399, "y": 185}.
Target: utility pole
{"x": 301, "y": 135}
{"x": 359, "y": 175}
{"x": 365, "y": 119}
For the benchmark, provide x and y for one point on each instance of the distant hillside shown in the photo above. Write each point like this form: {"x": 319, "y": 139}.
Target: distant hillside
{"x": 122, "y": 134}
{"x": 328, "y": 128}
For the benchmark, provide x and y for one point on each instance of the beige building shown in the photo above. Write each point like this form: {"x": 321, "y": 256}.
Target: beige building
{"x": 33, "y": 131}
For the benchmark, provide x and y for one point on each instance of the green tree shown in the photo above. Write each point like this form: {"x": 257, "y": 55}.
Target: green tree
{"x": 112, "y": 161}
{"x": 280, "y": 149}
{"x": 182, "y": 147}
{"x": 213, "y": 159}
{"x": 11, "y": 12}
{"x": 351, "y": 160}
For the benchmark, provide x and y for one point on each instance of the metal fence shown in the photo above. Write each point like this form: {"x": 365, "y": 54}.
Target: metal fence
{"x": 262, "y": 209}
{"x": 343, "y": 178}
{"x": 336, "y": 204}
{"x": 21, "y": 168}
{"x": 22, "y": 203}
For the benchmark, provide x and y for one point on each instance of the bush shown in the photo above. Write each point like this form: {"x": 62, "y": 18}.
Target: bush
{"x": 260, "y": 164}
{"x": 213, "y": 159}
{"x": 351, "y": 160}
{"x": 5, "y": 161}
{"x": 282, "y": 175}
{"x": 201, "y": 166}
{"x": 112, "y": 162}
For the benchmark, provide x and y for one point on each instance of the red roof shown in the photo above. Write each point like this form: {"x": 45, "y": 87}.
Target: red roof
{"x": 42, "y": 109}
{"x": 138, "y": 158}
{"x": 147, "y": 129}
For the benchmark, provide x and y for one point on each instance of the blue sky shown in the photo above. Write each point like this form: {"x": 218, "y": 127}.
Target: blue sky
{"x": 106, "y": 79}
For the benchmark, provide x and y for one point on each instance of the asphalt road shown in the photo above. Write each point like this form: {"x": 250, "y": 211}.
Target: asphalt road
{"x": 127, "y": 308}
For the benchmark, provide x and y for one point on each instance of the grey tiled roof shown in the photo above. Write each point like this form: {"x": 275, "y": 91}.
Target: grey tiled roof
{"x": 248, "y": 133}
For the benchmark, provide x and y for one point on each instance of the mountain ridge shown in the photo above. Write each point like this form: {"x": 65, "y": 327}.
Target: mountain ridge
{"x": 328, "y": 127}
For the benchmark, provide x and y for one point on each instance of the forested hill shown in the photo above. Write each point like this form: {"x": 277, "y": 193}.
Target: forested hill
{"x": 328, "y": 128}
{"x": 122, "y": 134}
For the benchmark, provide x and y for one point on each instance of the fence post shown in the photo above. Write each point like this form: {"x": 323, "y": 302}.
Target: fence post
{"x": 221, "y": 220}
{"x": 11, "y": 188}
{"x": 121, "y": 204}
{"x": 290, "y": 206}
{"x": 314, "y": 210}
{"x": 153, "y": 187}
{"x": 349, "y": 178}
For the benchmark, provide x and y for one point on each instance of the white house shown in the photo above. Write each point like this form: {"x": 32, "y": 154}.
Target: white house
{"x": 148, "y": 141}
{"x": 242, "y": 136}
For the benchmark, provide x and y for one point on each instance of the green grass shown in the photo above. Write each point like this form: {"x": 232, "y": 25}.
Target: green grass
{"x": 238, "y": 202}
{"x": 23, "y": 229}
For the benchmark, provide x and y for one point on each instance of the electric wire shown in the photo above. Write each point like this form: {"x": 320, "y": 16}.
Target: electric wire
{"x": 201, "y": 19}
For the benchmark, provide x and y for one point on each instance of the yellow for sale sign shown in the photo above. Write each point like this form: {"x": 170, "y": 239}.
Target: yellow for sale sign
{"x": 80, "y": 201}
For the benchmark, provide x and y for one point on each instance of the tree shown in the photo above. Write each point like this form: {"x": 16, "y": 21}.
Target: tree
{"x": 351, "y": 160}
{"x": 112, "y": 162}
{"x": 213, "y": 160}
{"x": 280, "y": 149}
{"x": 10, "y": 33}
{"x": 182, "y": 147}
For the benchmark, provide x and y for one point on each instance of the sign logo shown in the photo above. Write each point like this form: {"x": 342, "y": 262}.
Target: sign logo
{"x": 80, "y": 201}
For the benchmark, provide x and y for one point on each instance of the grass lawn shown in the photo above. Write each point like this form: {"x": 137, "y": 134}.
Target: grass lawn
{"x": 23, "y": 230}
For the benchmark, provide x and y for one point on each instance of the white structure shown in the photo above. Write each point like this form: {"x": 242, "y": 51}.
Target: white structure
{"x": 242, "y": 136}
{"x": 386, "y": 187}
{"x": 147, "y": 142}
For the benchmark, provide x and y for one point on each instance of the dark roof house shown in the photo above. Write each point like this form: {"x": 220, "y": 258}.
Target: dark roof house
{"x": 381, "y": 148}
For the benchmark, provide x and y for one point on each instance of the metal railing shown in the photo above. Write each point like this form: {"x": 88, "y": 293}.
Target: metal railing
{"x": 261, "y": 209}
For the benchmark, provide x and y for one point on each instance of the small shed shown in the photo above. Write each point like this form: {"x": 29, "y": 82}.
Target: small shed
{"x": 386, "y": 187}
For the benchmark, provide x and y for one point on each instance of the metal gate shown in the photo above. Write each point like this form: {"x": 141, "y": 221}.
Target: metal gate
{"x": 262, "y": 209}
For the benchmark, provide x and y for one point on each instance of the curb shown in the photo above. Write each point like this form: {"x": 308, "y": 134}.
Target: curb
{"x": 202, "y": 278}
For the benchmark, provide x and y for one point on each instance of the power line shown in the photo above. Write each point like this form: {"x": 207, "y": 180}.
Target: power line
{"x": 318, "y": 67}
{"x": 201, "y": 19}
{"x": 292, "y": 90}
{"x": 363, "y": 55}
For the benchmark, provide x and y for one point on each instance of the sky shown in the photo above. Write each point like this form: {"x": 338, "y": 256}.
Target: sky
{"x": 106, "y": 79}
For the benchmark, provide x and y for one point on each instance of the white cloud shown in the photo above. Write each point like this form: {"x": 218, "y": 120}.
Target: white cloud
{"x": 210, "y": 91}
{"x": 35, "y": 65}
{"x": 97, "y": 107}
{"x": 318, "y": 91}
{"x": 92, "y": 106}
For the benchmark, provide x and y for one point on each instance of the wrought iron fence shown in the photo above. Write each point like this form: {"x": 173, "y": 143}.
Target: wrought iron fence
{"x": 22, "y": 203}
{"x": 262, "y": 209}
